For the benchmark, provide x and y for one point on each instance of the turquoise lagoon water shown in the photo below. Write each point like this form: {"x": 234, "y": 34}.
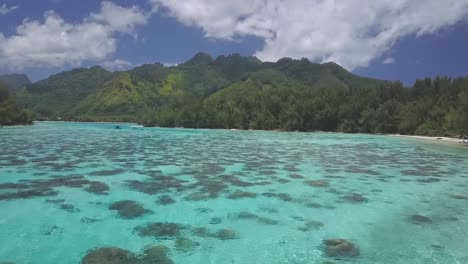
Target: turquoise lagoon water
{"x": 58, "y": 180}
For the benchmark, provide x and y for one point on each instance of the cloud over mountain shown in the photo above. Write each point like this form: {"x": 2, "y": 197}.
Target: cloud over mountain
{"x": 349, "y": 32}
{"x": 352, "y": 33}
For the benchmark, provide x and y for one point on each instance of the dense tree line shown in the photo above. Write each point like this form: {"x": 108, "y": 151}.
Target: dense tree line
{"x": 10, "y": 113}
{"x": 430, "y": 107}
{"x": 242, "y": 92}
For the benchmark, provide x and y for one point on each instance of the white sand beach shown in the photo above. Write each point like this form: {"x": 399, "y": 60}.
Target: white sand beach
{"x": 449, "y": 140}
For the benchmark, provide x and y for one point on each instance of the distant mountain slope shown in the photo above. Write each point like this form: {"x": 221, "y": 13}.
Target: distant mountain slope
{"x": 10, "y": 113}
{"x": 242, "y": 92}
{"x": 96, "y": 94}
{"x": 281, "y": 95}
{"x": 14, "y": 81}
{"x": 60, "y": 94}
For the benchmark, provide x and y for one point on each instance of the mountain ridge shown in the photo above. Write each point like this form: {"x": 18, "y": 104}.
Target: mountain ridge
{"x": 15, "y": 81}
{"x": 62, "y": 95}
{"x": 234, "y": 91}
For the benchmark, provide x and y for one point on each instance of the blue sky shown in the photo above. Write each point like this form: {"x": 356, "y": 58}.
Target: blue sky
{"x": 385, "y": 40}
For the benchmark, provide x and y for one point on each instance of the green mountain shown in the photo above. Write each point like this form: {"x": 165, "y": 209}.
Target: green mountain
{"x": 96, "y": 94}
{"x": 60, "y": 94}
{"x": 15, "y": 81}
{"x": 10, "y": 113}
{"x": 242, "y": 92}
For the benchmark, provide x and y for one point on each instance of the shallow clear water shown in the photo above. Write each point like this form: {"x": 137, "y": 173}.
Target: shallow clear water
{"x": 398, "y": 200}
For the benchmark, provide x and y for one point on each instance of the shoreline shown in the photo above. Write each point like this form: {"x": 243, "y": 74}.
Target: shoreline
{"x": 446, "y": 140}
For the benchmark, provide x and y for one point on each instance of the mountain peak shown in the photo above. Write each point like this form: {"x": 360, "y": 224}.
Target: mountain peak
{"x": 237, "y": 57}
{"x": 200, "y": 58}
{"x": 97, "y": 67}
{"x": 332, "y": 64}
{"x": 15, "y": 81}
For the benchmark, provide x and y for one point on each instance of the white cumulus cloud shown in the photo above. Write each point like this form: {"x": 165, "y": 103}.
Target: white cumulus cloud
{"x": 119, "y": 18}
{"x": 117, "y": 64}
{"x": 54, "y": 42}
{"x": 389, "y": 60}
{"x": 169, "y": 64}
{"x": 352, "y": 33}
{"x": 349, "y": 32}
{"x": 4, "y": 9}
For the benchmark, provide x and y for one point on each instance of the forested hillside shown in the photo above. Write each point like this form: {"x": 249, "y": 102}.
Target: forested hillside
{"x": 10, "y": 113}
{"x": 432, "y": 107}
{"x": 58, "y": 96}
{"x": 14, "y": 81}
{"x": 242, "y": 92}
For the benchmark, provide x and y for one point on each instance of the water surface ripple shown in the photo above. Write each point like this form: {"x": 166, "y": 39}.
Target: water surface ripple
{"x": 218, "y": 196}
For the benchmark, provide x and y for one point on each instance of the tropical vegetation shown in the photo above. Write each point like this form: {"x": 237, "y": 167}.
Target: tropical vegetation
{"x": 244, "y": 93}
{"x": 10, "y": 113}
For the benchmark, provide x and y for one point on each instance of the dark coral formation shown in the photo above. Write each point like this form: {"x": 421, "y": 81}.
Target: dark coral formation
{"x": 165, "y": 200}
{"x": 109, "y": 255}
{"x": 235, "y": 181}
{"x": 90, "y": 220}
{"x": 28, "y": 194}
{"x": 55, "y": 201}
{"x": 199, "y": 196}
{"x": 226, "y": 234}
{"x": 155, "y": 255}
{"x": 246, "y": 215}
{"x": 340, "y": 248}
{"x": 50, "y": 230}
{"x": 45, "y": 187}
{"x": 97, "y": 188}
{"x": 458, "y": 197}
{"x": 360, "y": 170}
{"x": 429, "y": 180}
{"x": 114, "y": 255}
{"x": 185, "y": 244}
{"x": 157, "y": 184}
{"x": 267, "y": 221}
{"x": 269, "y": 210}
{"x": 310, "y": 226}
{"x": 215, "y": 220}
{"x": 296, "y": 176}
{"x": 291, "y": 168}
{"x": 282, "y": 196}
{"x": 204, "y": 210}
{"x": 107, "y": 172}
{"x": 451, "y": 218}
{"x": 420, "y": 219}
{"x": 260, "y": 219}
{"x": 437, "y": 247}
{"x": 128, "y": 209}
{"x": 206, "y": 189}
{"x": 317, "y": 183}
{"x": 68, "y": 207}
{"x": 200, "y": 232}
{"x": 283, "y": 181}
{"x": 313, "y": 205}
{"x": 241, "y": 194}
{"x": 160, "y": 230}
{"x": 354, "y": 198}
{"x": 334, "y": 191}
{"x": 267, "y": 172}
